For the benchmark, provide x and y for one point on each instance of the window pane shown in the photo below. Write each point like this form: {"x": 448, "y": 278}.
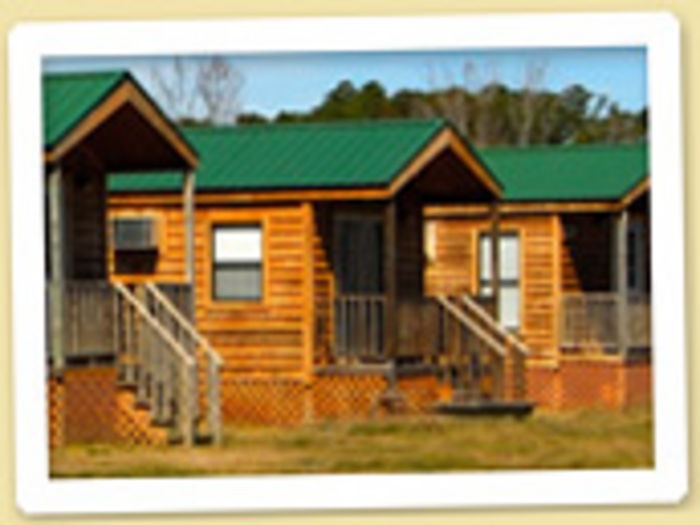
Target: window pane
{"x": 509, "y": 258}
{"x": 238, "y": 244}
{"x": 132, "y": 232}
{"x": 485, "y": 258}
{"x": 238, "y": 282}
{"x": 510, "y": 307}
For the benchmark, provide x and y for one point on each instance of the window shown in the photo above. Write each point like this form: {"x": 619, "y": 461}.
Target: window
{"x": 134, "y": 233}
{"x": 237, "y": 262}
{"x": 509, "y": 262}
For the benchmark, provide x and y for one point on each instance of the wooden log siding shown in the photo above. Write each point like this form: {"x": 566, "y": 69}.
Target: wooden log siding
{"x": 454, "y": 270}
{"x": 253, "y": 337}
{"x": 324, "y": 285}
{"x": 257, "y": 337}
{"x": 449, "y": 270}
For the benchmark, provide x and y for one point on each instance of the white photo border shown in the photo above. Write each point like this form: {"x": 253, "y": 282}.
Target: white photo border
{"x": 666, "y": 483}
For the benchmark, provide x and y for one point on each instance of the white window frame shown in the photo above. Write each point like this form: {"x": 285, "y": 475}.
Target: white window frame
{"x": 237, "y": 261}
{"x": 485, "y": 282}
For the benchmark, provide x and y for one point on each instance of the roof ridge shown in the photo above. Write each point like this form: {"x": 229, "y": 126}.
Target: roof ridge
{"x": 349, "y": 123}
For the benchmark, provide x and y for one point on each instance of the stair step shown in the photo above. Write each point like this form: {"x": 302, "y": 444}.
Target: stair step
{"x": 203, "y": 438}
{"x": 142, "y": 404}
{"x": 162, "y": 421}
{"x": 485, "y": 408}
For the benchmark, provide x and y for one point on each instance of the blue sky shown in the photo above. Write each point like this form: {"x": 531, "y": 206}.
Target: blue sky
{"x": 298, "y": 81}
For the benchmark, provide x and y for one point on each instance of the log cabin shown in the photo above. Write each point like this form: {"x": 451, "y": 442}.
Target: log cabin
{"x": 281, "y": 274}
{"x": 575, "y": 280}
{"x": 309, "y": 269}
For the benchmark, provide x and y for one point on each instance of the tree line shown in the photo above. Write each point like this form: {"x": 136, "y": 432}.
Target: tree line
{"x": 492, "y": 115}
{"x": 209, "y": 91}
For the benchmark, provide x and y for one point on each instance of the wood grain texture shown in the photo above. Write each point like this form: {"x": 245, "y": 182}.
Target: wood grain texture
{"x": 454, "y": 270}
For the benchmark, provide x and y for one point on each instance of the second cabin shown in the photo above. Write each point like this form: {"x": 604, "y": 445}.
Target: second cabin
{"x": 309, "y": 265}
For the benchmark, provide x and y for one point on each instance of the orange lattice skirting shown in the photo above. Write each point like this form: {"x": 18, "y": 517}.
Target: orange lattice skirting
{"x": 87, "y": 405}
{"x": 339, "y": 394}
{"x": 590, "y": 383}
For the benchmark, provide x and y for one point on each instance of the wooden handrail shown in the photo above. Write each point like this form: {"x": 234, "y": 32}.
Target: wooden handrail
{"x": 185, "y": 323}
{"x": 145, "y": 314}
{"x": 212, "y": 369}
{"x": 472, "y": 325}
{"x": 486, "y": 318}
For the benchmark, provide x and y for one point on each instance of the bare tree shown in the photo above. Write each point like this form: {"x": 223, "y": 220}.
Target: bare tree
{"x": 199, "y": 89}
{"x": 485, "y": 97}
{"x": 534, "y": 78}
{"x": 451, "y": 97}
{"x": 174, "y": 86}
{"x": 219, "y": 85}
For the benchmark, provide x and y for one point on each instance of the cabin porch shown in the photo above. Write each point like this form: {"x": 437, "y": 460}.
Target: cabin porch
{"x": 122, "y": 359}
{"x": 372, "y": 310}
{"x": 606, "y": 286}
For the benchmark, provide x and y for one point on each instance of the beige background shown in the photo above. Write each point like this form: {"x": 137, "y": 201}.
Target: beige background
{"x": 688, "y": 12}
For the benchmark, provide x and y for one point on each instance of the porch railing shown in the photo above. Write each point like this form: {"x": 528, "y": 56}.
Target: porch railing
{"x": 181, "y": 296}
{"x": 88, "y": 319}
{"x": 141, "y": 330}
{"x": 159, "y": 303}
{"x": 162, "y": 370}
{"x": 590, "y": 322}
{"x": 458, "y": 335}
{"x": 360, "y": 326}
{"x": 486, "y": 360}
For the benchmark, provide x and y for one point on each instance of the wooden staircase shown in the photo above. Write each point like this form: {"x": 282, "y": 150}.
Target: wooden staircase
{"x": 484, "y": 362}
{"x": 172, "y": 370}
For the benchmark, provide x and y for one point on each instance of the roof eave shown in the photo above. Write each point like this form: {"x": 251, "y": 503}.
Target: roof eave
{"x": 125, "y": 90}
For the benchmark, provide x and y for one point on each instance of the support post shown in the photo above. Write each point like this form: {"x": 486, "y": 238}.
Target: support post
{"x": 188, "y": 216}
{"x": 495, "y": 260}
{"x": 189, "y": 395}
{"x": 57, "y": 261}
{"x": 390, "y": 279}
{"x": 622, "y": 284}
{"x": 309, "y": 311}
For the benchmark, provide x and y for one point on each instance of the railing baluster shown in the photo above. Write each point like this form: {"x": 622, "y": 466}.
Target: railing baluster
{"x": 181, "y": 387}
{"x": 590, "y": 321}
{"x": 359, "y": 326}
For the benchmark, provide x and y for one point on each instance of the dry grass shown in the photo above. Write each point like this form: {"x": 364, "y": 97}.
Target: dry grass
{"x": 588, "y": 439}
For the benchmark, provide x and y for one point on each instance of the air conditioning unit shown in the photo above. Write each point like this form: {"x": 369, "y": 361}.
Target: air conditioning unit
{"x": 134, "y": 234}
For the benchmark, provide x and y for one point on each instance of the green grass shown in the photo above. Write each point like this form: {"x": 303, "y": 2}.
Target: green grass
{"x": 582, "y": 439}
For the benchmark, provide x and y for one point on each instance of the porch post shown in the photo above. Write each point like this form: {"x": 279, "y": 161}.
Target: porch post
{"x": 495, "y": 259}
{"x": 390, "y": 279}
{"x": 57, "y": 255}
{"x": 622, "y": 283}
{"x": 188, "y": 217}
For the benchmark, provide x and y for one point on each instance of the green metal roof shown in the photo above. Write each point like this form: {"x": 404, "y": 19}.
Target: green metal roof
{"x": 328, "y": 155}
{"x": 373, "y": 152}
{"x": 68, "y": 97}
{"x": 575, "y": 172}
{"x": 346, "y": 154}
